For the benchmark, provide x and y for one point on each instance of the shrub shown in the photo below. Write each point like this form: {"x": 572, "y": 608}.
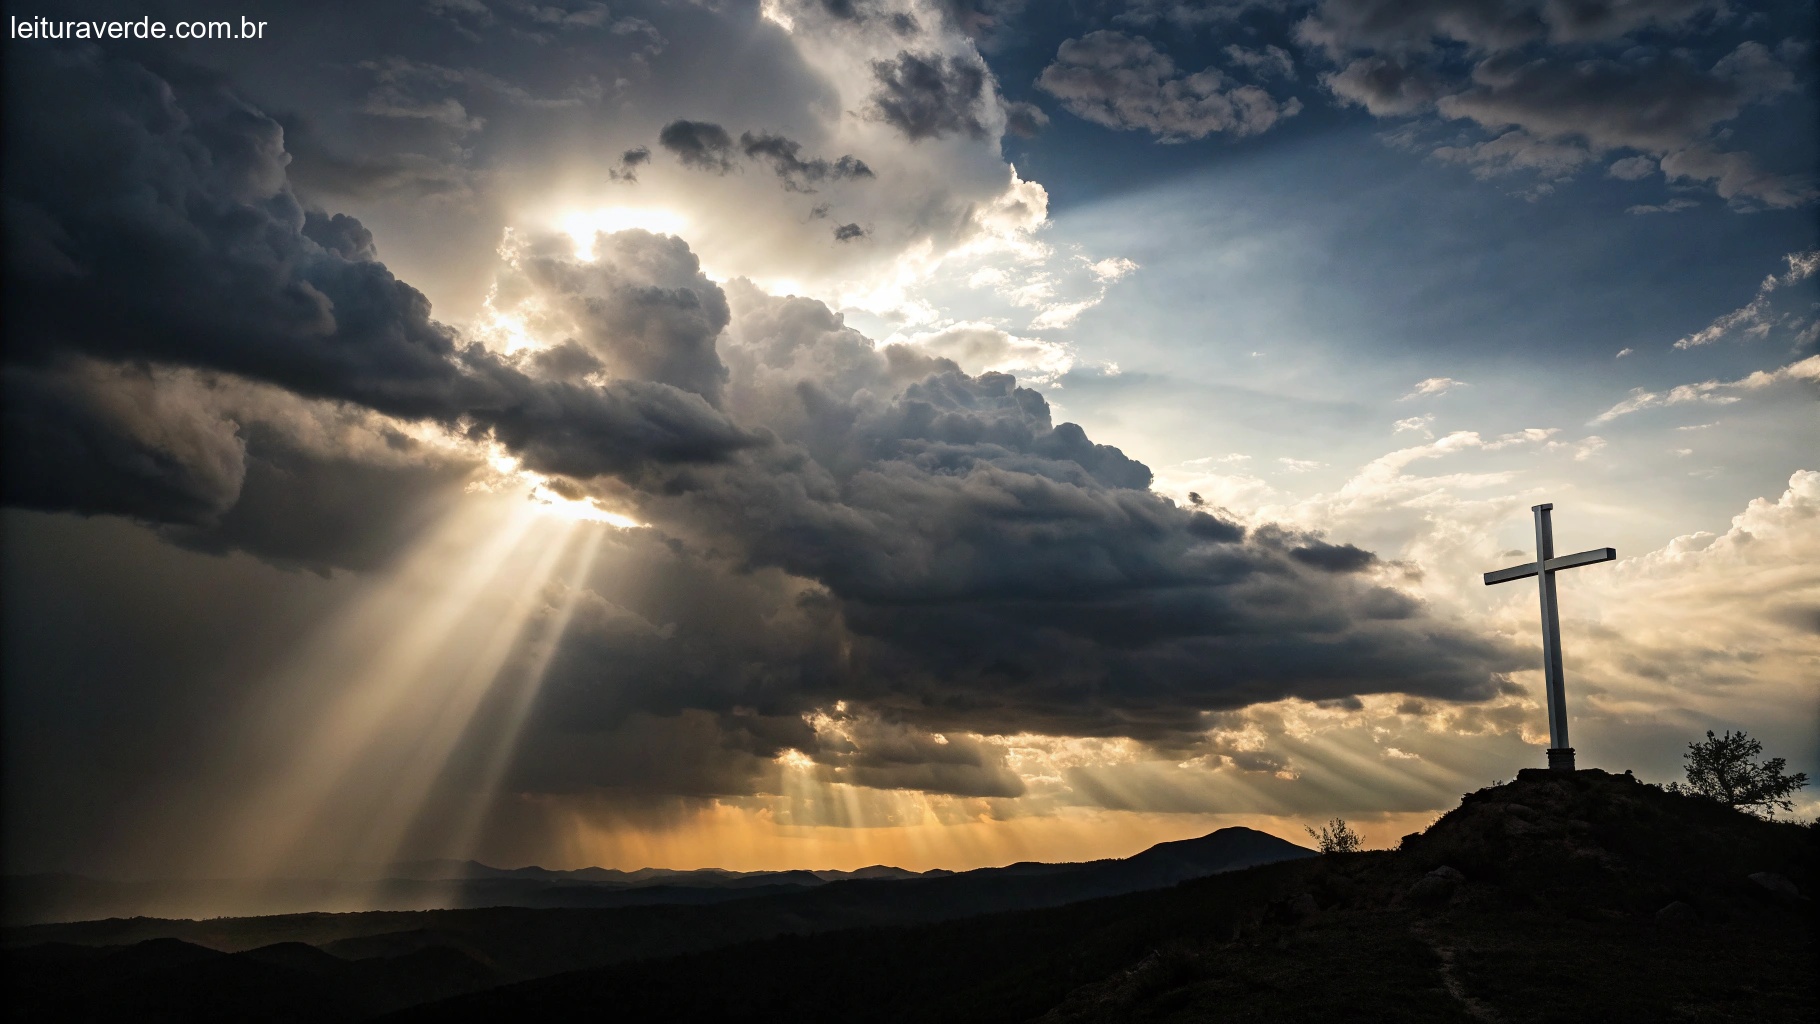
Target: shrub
{"x": 1725, "y": 768}
{"x": 1337, "y": 837}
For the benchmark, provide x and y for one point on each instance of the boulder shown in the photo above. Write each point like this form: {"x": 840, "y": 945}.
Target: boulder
{"x": 1777, "y": 885}
{"x": 1436, "y": 887}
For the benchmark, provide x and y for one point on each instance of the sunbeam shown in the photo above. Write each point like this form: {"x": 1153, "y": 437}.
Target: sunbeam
{"x": 514, "y": 693}
{"x": 367, "y": 717}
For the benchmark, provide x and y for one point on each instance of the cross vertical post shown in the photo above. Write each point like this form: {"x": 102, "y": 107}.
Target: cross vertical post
{"x": 1559, "y": 749}
{"x": 1560, "y": 752}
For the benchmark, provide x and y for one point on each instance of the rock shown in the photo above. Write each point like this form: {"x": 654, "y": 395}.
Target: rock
{"x": 1677, "y": 913}
{"x": 1436, "y": 887}
{"x": 1518, "y": 827}
{"x": 1777, "y": 885}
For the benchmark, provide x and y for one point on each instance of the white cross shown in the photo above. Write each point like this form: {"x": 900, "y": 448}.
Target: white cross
{"x": 1560, "y": 754}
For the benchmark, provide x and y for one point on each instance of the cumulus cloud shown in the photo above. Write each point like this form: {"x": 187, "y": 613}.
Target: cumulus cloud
{"x": 1729, "y": 611}
{"x": 1124, "y": 82}
{"x": 642, "y": 309}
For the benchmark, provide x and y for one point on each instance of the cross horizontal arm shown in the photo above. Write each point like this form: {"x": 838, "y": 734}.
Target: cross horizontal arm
{"x": 1582, "y": 558}
{"x": 1515, "y": 572}
{"x": 1528, "y": 569}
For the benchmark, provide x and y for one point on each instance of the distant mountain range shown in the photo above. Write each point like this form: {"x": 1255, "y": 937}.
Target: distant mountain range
{"x": 1557, "y": 897}
{"x": 455, "y": 884}
{"x": 327, "y": 966}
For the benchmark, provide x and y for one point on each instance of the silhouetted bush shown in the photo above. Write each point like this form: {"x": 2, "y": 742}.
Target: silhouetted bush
{"x": 1337, "y": 837}
{"x": 1724, "y": 768}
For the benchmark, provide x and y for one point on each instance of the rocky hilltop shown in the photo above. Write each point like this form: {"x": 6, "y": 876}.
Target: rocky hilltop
{"x": 1560, "y": 896}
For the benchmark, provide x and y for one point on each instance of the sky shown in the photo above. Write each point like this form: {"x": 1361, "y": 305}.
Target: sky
{"x": 819, "y": 433}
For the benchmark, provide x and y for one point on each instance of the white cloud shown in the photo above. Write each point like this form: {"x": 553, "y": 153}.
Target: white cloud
{"x": 1417, "y": 423}
{"x": 979, "y": 347}
{"x": 1672, "y": 206}
{"x": 1433, "y": 386}
{"x": 1712, "y": 392}
{"x": 1758, "y": 317}
{"x": 1583, "y": 449}
{"x": 1112, "y": 269}
{"x": 1632, "y": 168}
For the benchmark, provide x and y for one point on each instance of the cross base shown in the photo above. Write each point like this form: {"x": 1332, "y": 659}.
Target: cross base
{"x": 1561, "y": 759}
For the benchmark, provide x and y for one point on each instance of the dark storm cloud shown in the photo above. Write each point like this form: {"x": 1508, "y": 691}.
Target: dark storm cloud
{"x": 928, "y": 96}
{"x": 340, "y": 234}
{"x": 629, "y": 163}
{"x": 152, "y": 221}
{"x": 797, "y": 174}
{"x": 1404, "y": 26}
{"x": 1384, "y": 87}
{"x": 709, "y": 147}
{"x": 848, "y": 233}
{"x": 1652, "y": 105}
{"x": 324, "y": 507}
{"x": 222, "y": 464}
{"x": 1025, "y": 120}
{"x": 1333, "y": 557}
{"x": 855, "y": 14}
{"x": 323, "y": 169}
{"x": 699, "y": 144}
{"x": 1125, "y": 82}
{"x": 979, "y": 568}
{"x": 1564, "y": 81}
{"x": 877, "y": 754}
{"x": 843, "y": 10}
{"x": 98, "y": 441}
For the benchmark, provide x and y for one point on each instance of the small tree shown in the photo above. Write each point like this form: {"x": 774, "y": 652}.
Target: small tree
{"x": 1725, "y": 768}
{"x": 1337, "y": 837}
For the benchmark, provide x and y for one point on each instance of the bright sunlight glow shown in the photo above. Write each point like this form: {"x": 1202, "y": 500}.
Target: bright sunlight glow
{"x": 583, "y": 225}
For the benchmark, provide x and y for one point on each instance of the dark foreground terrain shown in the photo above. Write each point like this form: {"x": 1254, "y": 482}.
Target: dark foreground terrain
{"x": 1586, "y": 897}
